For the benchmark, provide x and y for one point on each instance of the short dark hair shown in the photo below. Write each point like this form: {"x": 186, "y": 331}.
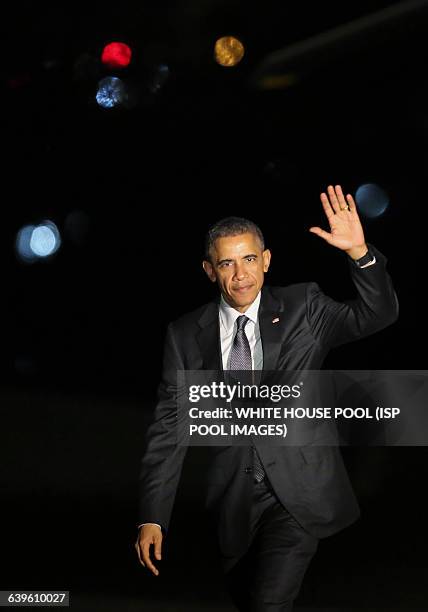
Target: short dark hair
{"x": 231, "y": 226}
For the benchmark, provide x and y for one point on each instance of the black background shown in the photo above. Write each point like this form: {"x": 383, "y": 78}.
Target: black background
{"x": 133, "y": 191}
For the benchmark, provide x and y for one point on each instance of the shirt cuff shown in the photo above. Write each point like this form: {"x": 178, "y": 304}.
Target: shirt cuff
{"x": 150, "y": 524}
{"x": 373, "y": 261}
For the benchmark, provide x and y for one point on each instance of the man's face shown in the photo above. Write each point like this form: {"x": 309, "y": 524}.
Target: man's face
{"x": 238, "y": 265}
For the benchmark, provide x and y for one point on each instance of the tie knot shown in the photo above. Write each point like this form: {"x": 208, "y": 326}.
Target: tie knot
{"x": 241, "y": 322}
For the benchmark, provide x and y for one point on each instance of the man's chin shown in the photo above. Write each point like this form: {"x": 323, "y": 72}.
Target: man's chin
{"x": 241, "y": 301}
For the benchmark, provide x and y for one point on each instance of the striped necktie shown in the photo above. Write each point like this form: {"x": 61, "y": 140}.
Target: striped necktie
{"x": 240, "y": 359}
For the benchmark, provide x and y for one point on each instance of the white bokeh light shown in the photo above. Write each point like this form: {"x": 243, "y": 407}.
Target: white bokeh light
{"x": 37, "y": 241}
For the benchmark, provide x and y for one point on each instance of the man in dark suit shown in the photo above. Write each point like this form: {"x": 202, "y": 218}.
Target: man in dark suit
{"x": 271, "y": 504}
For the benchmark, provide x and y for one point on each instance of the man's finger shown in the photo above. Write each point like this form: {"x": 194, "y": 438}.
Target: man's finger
{"x": 321, "y": 233}
{"x": 327, "y": 206}
{"x": 343, "y": 204}
{"x": 333, "y": 198}
{"x": 146, "y": 557}
{"x": 158, "y": 547}
{"x": 351, "y": 203}
{"x": 137, "y": 547}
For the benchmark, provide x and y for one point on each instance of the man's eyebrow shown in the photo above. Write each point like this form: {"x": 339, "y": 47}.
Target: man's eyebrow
{"x": 244, "y": 257}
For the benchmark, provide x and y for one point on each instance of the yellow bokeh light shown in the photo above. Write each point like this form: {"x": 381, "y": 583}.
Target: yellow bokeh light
{"x": 228, "y": 51}
{"x": 278, "y": 81}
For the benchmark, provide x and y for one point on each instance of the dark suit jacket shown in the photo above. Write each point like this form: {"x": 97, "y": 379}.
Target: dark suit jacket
{"x": 310, "y": 481}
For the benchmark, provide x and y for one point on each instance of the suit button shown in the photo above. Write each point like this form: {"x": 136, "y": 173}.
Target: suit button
{"x": 248, "y": 470}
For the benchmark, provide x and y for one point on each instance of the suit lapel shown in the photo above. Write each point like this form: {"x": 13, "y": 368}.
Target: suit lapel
{"x": 271, "y": 328}
{"x": 208, "y": 338}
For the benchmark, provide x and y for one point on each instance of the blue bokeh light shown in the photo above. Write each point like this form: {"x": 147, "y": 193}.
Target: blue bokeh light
{"x": 22, "y": 244}
{"x": 111, "y": 92}
{"x": 44, "y": 240}
{"x": 159, "y": 78}
{"x": 37, "y": 241}
{"x": 372, "y": 200}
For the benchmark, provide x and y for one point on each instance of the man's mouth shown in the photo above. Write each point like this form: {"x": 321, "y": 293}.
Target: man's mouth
{"x": 243, "y": 288}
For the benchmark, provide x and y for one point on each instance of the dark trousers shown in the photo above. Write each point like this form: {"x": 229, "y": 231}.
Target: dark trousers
{"x": 268, "y": 577}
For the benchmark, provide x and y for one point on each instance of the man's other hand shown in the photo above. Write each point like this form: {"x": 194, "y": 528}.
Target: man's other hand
{"x": 149, "y": 535}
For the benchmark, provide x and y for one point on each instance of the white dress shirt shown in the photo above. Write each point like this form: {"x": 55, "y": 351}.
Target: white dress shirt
{"x": 227, "y": 319}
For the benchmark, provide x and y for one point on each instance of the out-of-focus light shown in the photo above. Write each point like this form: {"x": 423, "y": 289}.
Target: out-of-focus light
{"x": 22, "y": 244}
{"x": 50, "y": 64}
{"x": 37, "y": 241}
{"x": 228, "y": 51}
{"x": 44, "y": 240}
{"x": 372, "y": 200}
{"x": 278, "y": 81}
{"x": 116, "y": 55}
{"x": 18, "y": 81}
{"x": 159, "y": 78}
{"x": 111, "y": 92}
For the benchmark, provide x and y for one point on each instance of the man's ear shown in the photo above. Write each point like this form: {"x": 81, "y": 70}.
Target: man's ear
{"x": 266, "y": 260}
{"x": 209, "y": 270}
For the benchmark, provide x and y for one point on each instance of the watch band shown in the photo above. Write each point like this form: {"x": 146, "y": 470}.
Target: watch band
{"x": 365, "y": 259}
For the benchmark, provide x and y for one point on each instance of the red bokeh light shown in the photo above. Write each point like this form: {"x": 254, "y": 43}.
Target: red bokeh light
{"x": 116, "y": 55}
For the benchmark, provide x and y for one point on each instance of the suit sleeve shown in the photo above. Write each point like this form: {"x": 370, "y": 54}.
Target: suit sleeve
{"x": 162, "y": 460}
{"x": 375, "y": 307}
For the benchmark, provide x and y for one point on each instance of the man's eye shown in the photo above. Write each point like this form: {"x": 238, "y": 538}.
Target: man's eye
{"x": 251, "y": 259}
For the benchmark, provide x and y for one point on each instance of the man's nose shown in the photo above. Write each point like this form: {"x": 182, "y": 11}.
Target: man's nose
{"x": 239, "y": 272}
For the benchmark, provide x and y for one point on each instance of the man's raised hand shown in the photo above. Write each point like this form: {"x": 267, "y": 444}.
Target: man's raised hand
{"x": 346, "y": 232}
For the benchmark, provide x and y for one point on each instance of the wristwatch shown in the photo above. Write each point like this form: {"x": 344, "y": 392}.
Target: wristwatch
{"x": 365, "y": 259}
